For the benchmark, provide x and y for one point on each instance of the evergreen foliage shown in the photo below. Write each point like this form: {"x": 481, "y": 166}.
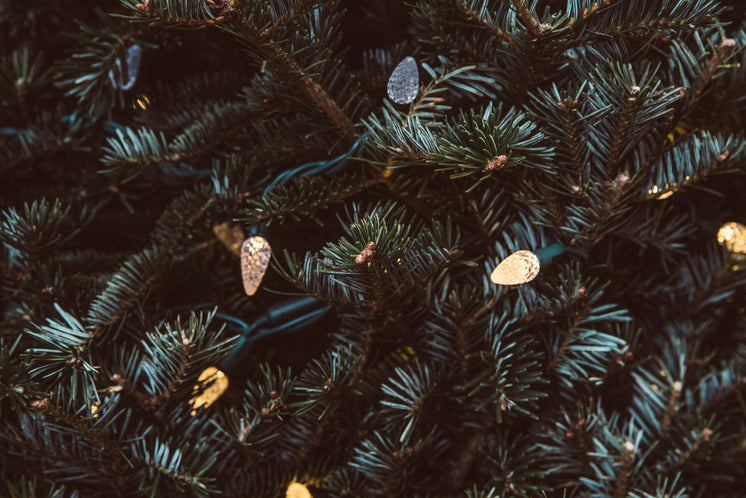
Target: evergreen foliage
{"x": 612, "y": 128}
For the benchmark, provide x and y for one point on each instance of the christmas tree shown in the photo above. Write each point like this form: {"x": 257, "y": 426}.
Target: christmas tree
{"x": 474, "y": 248}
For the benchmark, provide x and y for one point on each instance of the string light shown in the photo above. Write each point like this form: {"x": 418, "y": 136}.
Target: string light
{"x": 518, "y": 268}
{"x": 732, "y": 236}
{"x": 132, "y": 68}
{"x": 255, "y": 251}
{"x": 141, "y": 102}
{"x": 255, "y": 255}
{"x": 404, "y": 82}
{"x": 215, "y": 383}
{"x": 230, "y": 235}
{"x": 297, "y": 490}
{"x": 663, "y": 192}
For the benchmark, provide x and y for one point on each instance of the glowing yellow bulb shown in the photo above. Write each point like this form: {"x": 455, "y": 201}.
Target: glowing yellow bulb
{"x": 215, "y": 383}
{"x": 297, "y": 490}
{"x": 94, "y": 409}
{"x": 732, "y": 236}
{"x": 518, "y": 268}
{"x": 255, "y": 254}
{"x": 230, "y": 235}
{"x": 142, "y": 102}
{"x": 665, "y": 195}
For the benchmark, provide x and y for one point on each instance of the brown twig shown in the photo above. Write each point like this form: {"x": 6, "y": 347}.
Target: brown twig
{"x": 626, "y": 465}
{"x": 282, "y": 20}
{"x": 534, "y": 27}
{"x": 291, "y": 68}
{"x": 672, "y": 406}
{"x": 484, "y": 22}
{"x": 144, "y": 401}
{"x": 230, "y": 19}
{"x": 722, "y": 53}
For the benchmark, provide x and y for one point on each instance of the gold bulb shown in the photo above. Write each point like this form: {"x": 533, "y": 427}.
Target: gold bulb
{"x": 255, "y": 254}
{"x": 732, "y": 236}
{"x": 215, "y": 383}
{"x": 141, "y": 102}
{"x": 230, "y": 235}
{"x": 297, "y": 490}
{"x": 518, "y": 268}
{"x": 665, "y": 195}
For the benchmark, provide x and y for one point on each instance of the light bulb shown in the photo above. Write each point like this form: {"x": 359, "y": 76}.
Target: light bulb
{"x": 518, "y": 268}
{"x": 215, "y": 383}
{"x": 230, "y": 235}
{"x": 255, "y": 255}
{"x": 732, "y": 236}
{"x": 134, "y": 54}
{"x": 297, "y": 490}
{"x": 141, "y": 102}
{"x": 404, "y": 82}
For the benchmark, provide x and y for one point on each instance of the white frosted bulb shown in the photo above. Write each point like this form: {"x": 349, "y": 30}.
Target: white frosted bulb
{"x": 255, "y": 254}
{"x": 732, "y": 235}
{"x": 404, "y": 82}
{"x": 518, "y": 268}
{"x": 134, "y": 54}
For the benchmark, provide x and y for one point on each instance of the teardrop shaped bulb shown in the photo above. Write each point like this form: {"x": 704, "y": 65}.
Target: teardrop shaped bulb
{"x": 255, "y": 255}
{"x": 404, "y": 82}
{"x": 518, "y": 268}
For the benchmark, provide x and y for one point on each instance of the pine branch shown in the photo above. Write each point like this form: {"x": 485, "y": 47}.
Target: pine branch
{"x": 484, "y": 18}
{"x": 41, "y": 227}
{"x": 182, "y": 464}
{"x": 503, "y": 139}
{"x": 304, "y": 197}
{"x": 24, "y": 84}
{"x": 86, "y": 76}
{"x": 293, "y": 71}
{"x": 524, "y": 15}
{"x": 137, "y": 275}
{"x": 296, "y": 8}
{"x": 48, "y": 449}
{"x": 66, "y": 360}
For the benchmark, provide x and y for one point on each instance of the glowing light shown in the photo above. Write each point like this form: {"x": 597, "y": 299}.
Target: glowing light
{"x": 732, "y": 236}
{"x": 141, "y": 102}
{"x": 297, "y": 490}
{"x": 665, "y": 195}
{"x": 230, "y": 235}
{"x": 215, "y": 383}
{"x": 518, "y": 268}
{"x": 255, "y": 255}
